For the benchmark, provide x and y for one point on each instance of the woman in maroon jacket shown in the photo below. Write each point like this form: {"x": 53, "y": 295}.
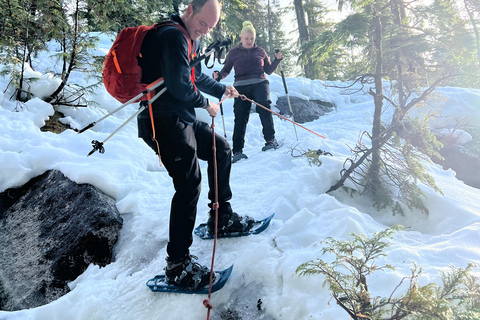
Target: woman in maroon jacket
{"x": 250, "y": 63}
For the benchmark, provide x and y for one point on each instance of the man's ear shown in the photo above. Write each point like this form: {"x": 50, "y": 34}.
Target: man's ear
{"x": 189, "y": 11}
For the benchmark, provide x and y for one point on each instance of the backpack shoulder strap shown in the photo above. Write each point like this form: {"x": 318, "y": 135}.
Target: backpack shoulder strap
{"x": 191, "y": 48}
{"x": 191, "y": 44}
{"x": 190, "y": 52}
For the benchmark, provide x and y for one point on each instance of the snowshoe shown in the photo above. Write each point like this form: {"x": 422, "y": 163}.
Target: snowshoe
{"x": 259, "y": 227}
{"x": 159, "y": 284}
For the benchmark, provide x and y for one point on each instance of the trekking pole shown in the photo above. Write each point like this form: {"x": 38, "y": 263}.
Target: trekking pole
{"x": 221, "y": 112}
{"x": 243, "y": 97}
{"x": 207, "y": 303}
{"x": 98, "y": 146}
{"x": 286, "y": 93}
{"x": 141, "y": 94}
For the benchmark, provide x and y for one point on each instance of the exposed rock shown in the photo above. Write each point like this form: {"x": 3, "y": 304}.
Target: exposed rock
{"x": 464, "y": 162}
{"x": 51, "y": 229}
{"x": 304, "y": 110}
{"x": 463, "y": 159}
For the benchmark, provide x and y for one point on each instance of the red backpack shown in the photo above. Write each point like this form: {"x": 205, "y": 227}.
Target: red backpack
{"x": 122, "y": 76}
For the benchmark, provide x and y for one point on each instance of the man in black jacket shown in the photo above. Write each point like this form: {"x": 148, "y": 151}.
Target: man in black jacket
{"x": 182, "y": 140}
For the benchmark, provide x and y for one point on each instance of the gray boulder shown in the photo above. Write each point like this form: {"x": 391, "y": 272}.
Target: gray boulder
{"x": 51, "y": 229}
{"x": 304, "y": 110}
{"x": 464, "y": 162}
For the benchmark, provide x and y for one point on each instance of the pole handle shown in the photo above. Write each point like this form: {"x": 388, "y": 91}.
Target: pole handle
{"x": 87, "y": 127}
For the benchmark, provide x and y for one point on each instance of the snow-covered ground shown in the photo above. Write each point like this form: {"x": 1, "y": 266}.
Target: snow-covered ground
{"x": 267, "y": 182}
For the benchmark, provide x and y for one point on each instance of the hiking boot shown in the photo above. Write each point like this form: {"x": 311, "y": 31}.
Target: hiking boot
{"x": 239, "y": 156}
{"x": 229, "y": 222}
{"x": 186, "y": 273}
{"x": 273, "y": 144}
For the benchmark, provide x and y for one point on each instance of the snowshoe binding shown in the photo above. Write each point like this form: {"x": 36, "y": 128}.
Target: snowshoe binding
{"x": 258, "y": 227}
{"x": 186, "y": 273}
{"x": 230, "y": 222}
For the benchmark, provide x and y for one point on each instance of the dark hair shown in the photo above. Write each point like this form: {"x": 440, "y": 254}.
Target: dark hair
{"x": 198, "y": 5}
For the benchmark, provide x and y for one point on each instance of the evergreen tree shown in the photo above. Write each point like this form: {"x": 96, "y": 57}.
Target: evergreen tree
{"x": 417, "y": 49}
{"x": 115, "y": 15}
{"x": 22, "y": 36}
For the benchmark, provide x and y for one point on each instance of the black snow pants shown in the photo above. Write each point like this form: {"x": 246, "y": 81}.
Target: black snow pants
{"x": 259, "y": 92}
{"x": 181, "y": 145}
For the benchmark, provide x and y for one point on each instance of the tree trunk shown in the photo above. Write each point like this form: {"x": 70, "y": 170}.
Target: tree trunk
{"x": 73, "y": 57}
{"x": 33, "y": 8}
{"x": 175, "y": 4}
{"x": 217, "y": 33}
{"x": 468, "y": 6}
{"x": 25, "y": 49}
{"x": 311, "y": 16}
{"x": 399, "y": 83}
{"x": 269, "y": 27}
{"x": 11, "y": 13}
{"x": 302, "y": 24}
{"x": 373, "y": 182}
{"x": 350, "y": 170}
{"x": 304, "y": 38}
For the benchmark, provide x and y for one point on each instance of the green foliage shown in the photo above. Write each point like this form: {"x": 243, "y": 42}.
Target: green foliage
{"x": 420, "y": 145}
{"x": 115, "y": 15}
{"x": 402, "y": 168}
{"x": 313, "y": 157}
{"x": 70, "y": 25}
{"x": 457, "y": 298}
{"x": 429, "y": 39}
{"x": 335, "y": 50}
{"x": 29, "y": 25}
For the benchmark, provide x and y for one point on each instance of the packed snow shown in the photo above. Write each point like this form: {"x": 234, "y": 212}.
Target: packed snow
{"x": 266, "y": 182}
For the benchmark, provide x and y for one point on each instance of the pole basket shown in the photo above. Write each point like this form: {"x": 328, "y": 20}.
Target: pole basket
{"x": 97, "y": 146}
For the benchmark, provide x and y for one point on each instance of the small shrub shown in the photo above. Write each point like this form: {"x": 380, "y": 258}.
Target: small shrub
{"x": 457, "y": 298}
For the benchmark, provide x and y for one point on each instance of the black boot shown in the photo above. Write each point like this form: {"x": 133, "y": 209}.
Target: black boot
{"x": 273, "y": 144}
{"x": 237, "y": 156}
{"x": 229, "y": 221}
{"x": 186, "y": 273}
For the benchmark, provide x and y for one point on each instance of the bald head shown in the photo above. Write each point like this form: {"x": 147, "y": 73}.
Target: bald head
{"x": 198, "y": 5}
{"x": 200, "y": 17}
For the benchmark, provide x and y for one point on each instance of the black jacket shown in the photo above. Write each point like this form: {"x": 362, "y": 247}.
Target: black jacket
{"x": 165, "y": 54}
